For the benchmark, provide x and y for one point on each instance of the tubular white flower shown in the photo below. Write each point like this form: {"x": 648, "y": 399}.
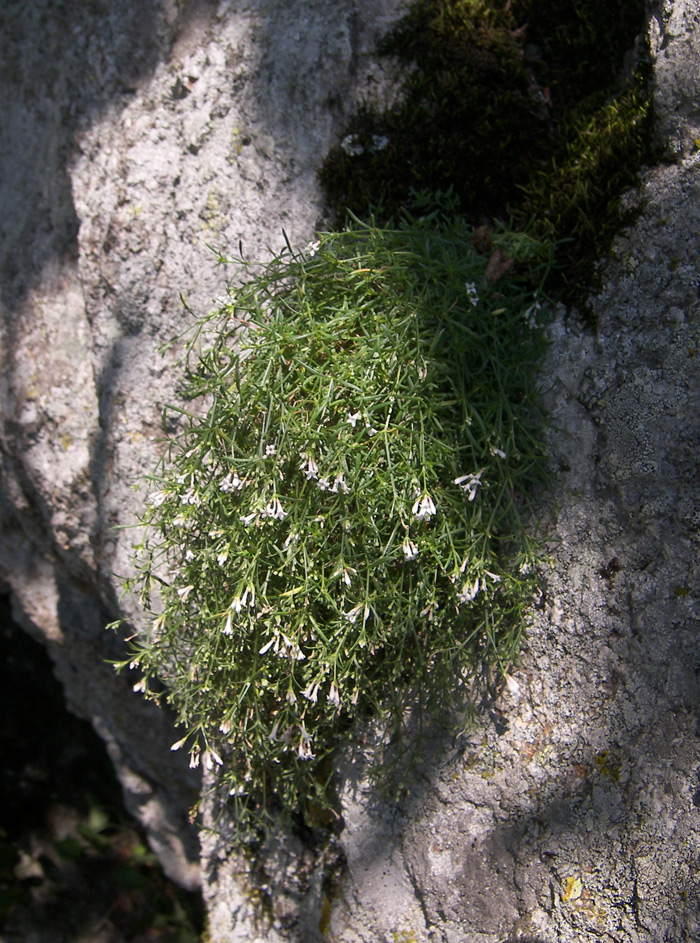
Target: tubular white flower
{"x": 304, "y": 751}
{"x": 231, "y": 482}
{"x": 469, "y": 484}
{"x": 275, "y": 510}
{"x": 468, "y": 593}
{"x": 311, "y": 692}
{"x": 410, "y": 550}
{"x": 353, "y": 417}
{"x": 311, "y": 469}
{"x": 339, "y": 484}
{"x": 424, "y": 508}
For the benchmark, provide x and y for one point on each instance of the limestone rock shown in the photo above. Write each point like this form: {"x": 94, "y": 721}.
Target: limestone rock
{"x": 134, "y": 135}
{"x": 675, "y": 46}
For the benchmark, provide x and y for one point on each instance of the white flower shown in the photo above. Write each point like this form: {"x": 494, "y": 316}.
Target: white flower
{"x": 469, "y": 592}
{"x": 323, "y": 484}
{"x": 346, "y": 573}
{"x": 469, "y": 484}
{"x": 157, "y": 498}
{"x": 497, "y": 452}
{"x": 190, "y": 497}
{"x": 353, "y": 417}
{"x": 231, "y": 482}
{"x": 194, "y": 758}
{"x": 524, "y": 568}
{"x": 354, "y": 613}
{"x": 351, "y": 145}
{"x": 210, "y": 757}
{"x": 228, "y": 628}
{"x": 311, "y": 469}
{"x": 291, "y": 696}
{"x": 267, "y": 646}
{"x": 333, "y": 696}
{"x": 379, "y": 142}
{"x": 312, "y": 248}
{"x": 273, "y": 733}
{"x": 222, "y": 557}
{"x": 184, "y": 592}
{"x": 424, "y": 508}
{"x": 530, "y": 315}
{"x": 305, "y": 750}
{"x": 339, "y": 484}
{"x": 275, "y": 510}
{"x": 472, "y": 294}
{"x": 179, "y": 744}
{"x": 311, "y": 692}
{"x": 410, "y": 551}
{"x": 249, "y": 518}
{"x": 494, "y": 577}
{"x": 140, "y": 686}
{"x": 270, "y": 449}
{"x": 189, "y": 555}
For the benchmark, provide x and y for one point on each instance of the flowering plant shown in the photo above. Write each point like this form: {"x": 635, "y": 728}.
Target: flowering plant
{"x": 340, "y": 535}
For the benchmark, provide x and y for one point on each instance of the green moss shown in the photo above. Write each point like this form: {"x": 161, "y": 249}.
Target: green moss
{"x": 524, "y": 109}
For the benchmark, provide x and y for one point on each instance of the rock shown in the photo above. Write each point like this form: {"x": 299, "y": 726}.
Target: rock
{"x": 675, "y": 45}
{"x": 137, "y": 134}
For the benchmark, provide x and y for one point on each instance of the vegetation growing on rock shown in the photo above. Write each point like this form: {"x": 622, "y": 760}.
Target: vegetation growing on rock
{"x": 340, "y": 535}
{"x": 533, "y": 109}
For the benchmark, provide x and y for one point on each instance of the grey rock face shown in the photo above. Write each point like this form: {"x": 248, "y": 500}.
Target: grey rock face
{"x": 134, "y": 135}
{"x": 675, "y": 45}
{"x": 571, "y": 812}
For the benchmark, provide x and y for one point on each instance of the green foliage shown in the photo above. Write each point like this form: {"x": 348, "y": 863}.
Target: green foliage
{"x": 340, "y": 534}
{"x": 579, "y": 198}
{"x": 465, "y": 119}
{"x": 522, "y": 107}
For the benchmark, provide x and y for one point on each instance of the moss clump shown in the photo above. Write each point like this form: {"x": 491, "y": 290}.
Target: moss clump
{"x": 523, "y": 109}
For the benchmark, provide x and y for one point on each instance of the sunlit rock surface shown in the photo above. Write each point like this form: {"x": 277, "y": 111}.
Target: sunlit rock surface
{"x": 136, "y": 134}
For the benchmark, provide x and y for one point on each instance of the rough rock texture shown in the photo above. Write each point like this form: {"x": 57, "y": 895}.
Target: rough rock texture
{"x": 572, "y": 812}
{"x": 135, "y": 134}
{"x": 674, "y": 36}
